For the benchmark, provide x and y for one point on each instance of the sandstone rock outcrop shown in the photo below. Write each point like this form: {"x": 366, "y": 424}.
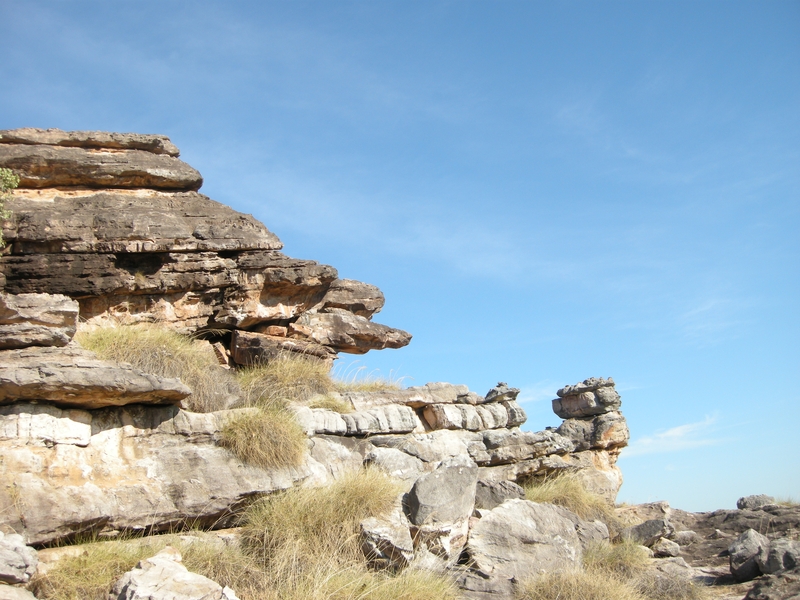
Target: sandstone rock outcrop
{"x": 36, "y": 320}
{"x": 115, "y": 222}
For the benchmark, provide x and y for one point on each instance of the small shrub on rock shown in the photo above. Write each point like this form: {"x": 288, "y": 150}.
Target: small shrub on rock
{"x": 8, "y": 182}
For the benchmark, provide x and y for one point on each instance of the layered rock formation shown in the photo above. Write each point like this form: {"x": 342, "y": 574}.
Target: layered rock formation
{"x": 110, "y": 229}
{"x": 115, "y": 222}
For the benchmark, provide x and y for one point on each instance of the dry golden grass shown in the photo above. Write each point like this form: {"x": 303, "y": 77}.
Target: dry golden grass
{"x": 163, "y": 352}
{"x": 355, "y": 379}
{"x": 288, "y": 378}
{"x": 331, "y": 403}
{"x": 577, "y": 585}
{"x": 307, "y": 522}
{"x": 568, "y": 490}
{"x": 658, "y": 586}
{"x": 269, "y": 438}
{"x": 625, "y": 559}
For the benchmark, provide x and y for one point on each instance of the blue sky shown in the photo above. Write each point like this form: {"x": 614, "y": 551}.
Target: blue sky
{"x": 545, "y": 191}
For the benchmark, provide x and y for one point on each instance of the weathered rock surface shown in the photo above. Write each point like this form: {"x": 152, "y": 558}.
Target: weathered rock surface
{"x": 609, "y": 430}
{"x": 10, "y": 592}
{"x": 784, "y": 585}
{"x": 386, "y": 541}
{"x": 359, "y": 298}
{"x": 782, "y": 554}
{"x": 754, "y": 502}
{"x": 163, "y": 577}
{"x": 157, "y": 144}
{"x": 593, "y": 396}
{"x": 516, "y": 540}
{"x": 351, "y": 333}
{"x": 144, "y": 467}
{"x": 663, "y": 548}
{"x": 73, "y": 376}
{"x": 746, "y": 552}
{"x": 36, "y": 320}
{"x": 381, "y": 419}
{"x": 649, "y": 532}
{"x": 249, "y": 348}
{"x": 490, "y": 494}
{"x": 40, "y": 166}
{"x": 17, "y": 561}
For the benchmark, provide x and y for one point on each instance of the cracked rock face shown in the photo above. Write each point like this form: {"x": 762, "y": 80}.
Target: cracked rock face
{"x": 114, "y": 221}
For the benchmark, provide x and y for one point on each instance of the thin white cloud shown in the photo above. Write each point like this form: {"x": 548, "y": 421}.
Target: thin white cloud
{"x": 675, "y": 439}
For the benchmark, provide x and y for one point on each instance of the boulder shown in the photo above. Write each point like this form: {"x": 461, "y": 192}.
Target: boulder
{"x": 490, "y": 494}
{"x": 663, "y": 548}
{"x": 474, "y": 418}
{"x": 10, "y": 592}
{"x": 516, "y": 540}
{"x": 439, "y": 507}
{"x": 386, "y": 540}
{"x": 396, "y": 463}
{"x": 783, "y": 585}
{"x": 163, "y": 577}
{"x": 36, "y": 320}
{"x": 593, "y": 396}
{"x": 782, "y": 554}
{"x": 17, "y": 561}
{"x": 745, "y": 553}
{"x": 504, "y": 446}
{"x": 754, "y": 502}
{"x": 605, "y": 431}
{"x": 157, "y": 144}
{"x": 501, "y": 393}
{"x": 346, "y": 332}
{"x": 649, "y": 532}
{"x": 359, "y": 298}
{"x": 40, "y": 166}
{"x": 72, "y": 376}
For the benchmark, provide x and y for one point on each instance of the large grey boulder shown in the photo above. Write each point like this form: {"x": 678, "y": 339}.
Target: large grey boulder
{"x": 754, "y": 502}
{"x": 516, "y": 540}
{"x": 359, "y": 298}
{"x": 439, "y": 507}
{"x": 609, "y": 430}
{"x": 746, "y": 552}
{"x": 351, "y": 333}
{"x": 782, "y": 554}
{"x": 17, "y": 561}
{"x": 72, "y": 376}
{"x": 163, "y": 577}
{"x": 36, "y": 320}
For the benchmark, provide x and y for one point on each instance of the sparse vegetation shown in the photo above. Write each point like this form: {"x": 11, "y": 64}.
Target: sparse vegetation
{"x": 354, "y": 380}
{"x": 331, "y": 403}
{"x": 577, "y": 585}
{"x": 569, "y": 491}
{"x": 266, "y": 437}
{"x": 160, "y": 351}
{"x": 287, "y": 378}
{"x": 8, "y": 181}
{"x": 297, "y": 545}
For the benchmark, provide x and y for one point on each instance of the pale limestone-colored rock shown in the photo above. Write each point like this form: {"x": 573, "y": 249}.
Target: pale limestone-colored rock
{"x": 433, "y": 447}
{"x": 36, "y": 320}
{"x": 384, "y": 419}
{"x": 519, "y": 539}
{"x": 163, "y": 577}
{"x": 144, "y": 467}
{"x": 44, "y": 425}
{"x": 386, "y": 540}
{"x": 663, "y": 548}
{"x": 319, "y": 421}
{"x": 72, "y": 376}
{"x": 396, "y": 463}
{"x": 501, "y": 393}
{"x": 503, "y": 446}
{"x": 593, "y": 396}
{"x": 10, "y": 592}
{"x": 332, "y": 457}
{"x": 608, "y": 430}
{"x": 346, "y": 332}
{"x": 473, "y": 418}
{"x": 439, "y": 507}
{"x": 17, "y": 561}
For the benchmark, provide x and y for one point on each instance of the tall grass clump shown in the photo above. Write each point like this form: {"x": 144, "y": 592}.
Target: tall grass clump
{"x": 269, "y": 438}
{"x": 288, "y": 378}
{"x": 576, "y": 585}
{"x": 160, "y": 351}
{"x": 569, "y": 491}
